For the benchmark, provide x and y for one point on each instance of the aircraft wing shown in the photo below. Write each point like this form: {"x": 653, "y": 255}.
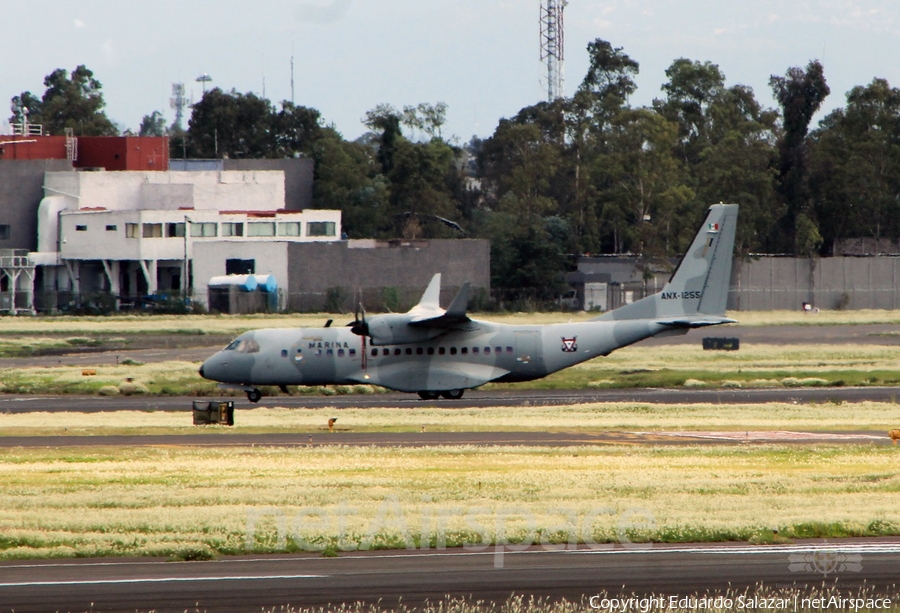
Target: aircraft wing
{"x": 454, "y": 317}
{"x": 404, "y": 378}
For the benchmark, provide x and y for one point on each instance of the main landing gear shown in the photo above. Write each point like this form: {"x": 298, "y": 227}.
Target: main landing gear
{"x": 448, "y": 394}
{"x": 254, "y": 395}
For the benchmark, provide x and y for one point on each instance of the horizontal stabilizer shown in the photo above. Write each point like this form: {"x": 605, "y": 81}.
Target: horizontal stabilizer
{"x": 696, "y": 322}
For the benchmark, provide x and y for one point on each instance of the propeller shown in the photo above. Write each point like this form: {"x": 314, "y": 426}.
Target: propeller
{"x": 358, "y": 325}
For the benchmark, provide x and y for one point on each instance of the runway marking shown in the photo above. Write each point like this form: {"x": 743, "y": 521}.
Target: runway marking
{"x": 159, "y": 580}
{"x": 489, "y": 550}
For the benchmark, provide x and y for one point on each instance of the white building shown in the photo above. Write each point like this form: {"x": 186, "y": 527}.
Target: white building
{"x": 134, "y": 233}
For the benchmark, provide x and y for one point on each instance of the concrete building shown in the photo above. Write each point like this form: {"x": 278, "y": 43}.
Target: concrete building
{"x": 336, "y": 275}
{"x": 133, "y": 234}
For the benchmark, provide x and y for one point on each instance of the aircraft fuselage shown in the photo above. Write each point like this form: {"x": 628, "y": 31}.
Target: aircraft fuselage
{"x": 453, "y": 360}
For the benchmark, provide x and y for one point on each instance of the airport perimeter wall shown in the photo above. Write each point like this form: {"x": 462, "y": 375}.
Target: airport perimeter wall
{"x": 771, "y": 282}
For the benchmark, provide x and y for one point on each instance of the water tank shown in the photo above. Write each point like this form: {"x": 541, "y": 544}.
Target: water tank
{"x": 266, "y": 283}
{"x": 245, "y": 283}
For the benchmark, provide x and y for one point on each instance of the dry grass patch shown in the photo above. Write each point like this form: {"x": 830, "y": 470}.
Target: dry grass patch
{"x": 588, "y": 417}
{"x": 158, "y": 501}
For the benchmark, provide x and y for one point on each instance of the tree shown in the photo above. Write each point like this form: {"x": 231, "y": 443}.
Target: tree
{"x": 692, "y": 87}
{"x": 426, "y": 118}
{"x": 153, "y": 125}
{"x": 296, "y": 130}
{"x": 800, "y": 94}
{"x": 855, "y": 166}
{"x": 232, "y": 124}
{"x": 347, "y": 177}
{"x": 74, "y": 102}
{"x": 638, "y": 187}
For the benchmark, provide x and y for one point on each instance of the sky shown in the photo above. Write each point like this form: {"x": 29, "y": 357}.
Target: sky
{"x": 480, "y": 57}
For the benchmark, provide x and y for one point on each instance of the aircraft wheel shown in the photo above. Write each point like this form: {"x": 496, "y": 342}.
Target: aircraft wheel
{"x": 254, "y": 395}
{"x": 429, "y": 395}
{"x": 452, "y": 394}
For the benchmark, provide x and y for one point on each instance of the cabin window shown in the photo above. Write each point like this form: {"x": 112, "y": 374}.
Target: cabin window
{"x": 474, "y": 350}
{"x": 508, "y": 349}
{"x": 398, "y": 351}
{"x": 464, "y": 350}
{"x": 329, "y": 352}
{"x": 498, "y": 350}
{"x": 487, "y": 351}
{"x": 419, "y": 351}
{"x": 340, "y": 353}
{"x": 452, "y": 350}
{"x": 385, "y": 352}
{"x": 374, "y": 353}
{"x": 409, "y": 351}
{"x": 244, "y": 345}
{"x": 442, "y": 351}
{"x": 431, "y": 351}
{"x": 284, "y": 353}
{"x": 352, "y": 352}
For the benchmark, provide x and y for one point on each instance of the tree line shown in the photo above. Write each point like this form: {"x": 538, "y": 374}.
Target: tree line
{"x": 587, "y": 174}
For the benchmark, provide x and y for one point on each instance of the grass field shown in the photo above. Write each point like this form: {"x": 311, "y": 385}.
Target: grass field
{"x": 874, "y": 416}
{"x": 196, "y": 503}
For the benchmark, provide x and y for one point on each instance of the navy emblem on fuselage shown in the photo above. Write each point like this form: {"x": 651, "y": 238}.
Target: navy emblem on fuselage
{"x": 569, "y": 345}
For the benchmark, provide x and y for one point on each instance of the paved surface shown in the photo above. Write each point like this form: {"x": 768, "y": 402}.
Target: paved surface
{"x": 473, "y": 399}
{"x": 248, "y": 584}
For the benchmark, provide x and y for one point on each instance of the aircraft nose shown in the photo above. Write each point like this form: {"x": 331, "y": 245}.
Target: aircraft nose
{"x": 201, "y": 372}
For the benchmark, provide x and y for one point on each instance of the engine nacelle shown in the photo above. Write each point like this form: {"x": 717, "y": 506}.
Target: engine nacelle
{"x": 396, "y": 330}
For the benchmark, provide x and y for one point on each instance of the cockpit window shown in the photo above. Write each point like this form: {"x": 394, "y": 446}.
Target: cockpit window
{"x": 243, "y": 345}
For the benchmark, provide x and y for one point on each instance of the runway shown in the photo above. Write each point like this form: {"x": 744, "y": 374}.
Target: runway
{"x": 472, "y": 399}
{"x": 253, "y": 583}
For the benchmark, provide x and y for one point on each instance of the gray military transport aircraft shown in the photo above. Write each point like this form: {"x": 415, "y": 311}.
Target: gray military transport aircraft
{"x": 440, "y": 353}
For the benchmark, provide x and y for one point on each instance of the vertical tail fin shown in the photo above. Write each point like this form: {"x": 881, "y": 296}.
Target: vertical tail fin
{"x": 700, "y": 284}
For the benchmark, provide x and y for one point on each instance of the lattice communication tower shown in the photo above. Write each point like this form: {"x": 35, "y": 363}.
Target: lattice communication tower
{"x": 553, "y": 46}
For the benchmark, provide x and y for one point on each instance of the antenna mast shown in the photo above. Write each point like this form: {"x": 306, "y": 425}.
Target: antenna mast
{"x": 178, "y": 102}
{"x": 553, "y": 46}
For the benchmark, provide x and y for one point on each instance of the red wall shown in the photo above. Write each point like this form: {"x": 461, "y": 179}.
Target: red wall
{"x": 109, "y": 152}
{"x": 41, "y": 147}
{"x": 123, "y": 153}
